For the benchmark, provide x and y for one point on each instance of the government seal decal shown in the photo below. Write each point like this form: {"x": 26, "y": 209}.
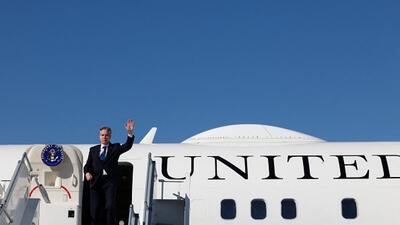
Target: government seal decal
{"x": 52, "y": 155}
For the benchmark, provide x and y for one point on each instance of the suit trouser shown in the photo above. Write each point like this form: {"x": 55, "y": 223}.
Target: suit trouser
{"x": 103, "y": 202}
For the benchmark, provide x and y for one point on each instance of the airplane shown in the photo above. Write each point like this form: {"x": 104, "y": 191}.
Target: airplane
{"x": 233, "y": 175}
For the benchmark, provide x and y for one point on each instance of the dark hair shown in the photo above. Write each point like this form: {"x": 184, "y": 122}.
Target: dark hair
{"x": 106, "y": 128}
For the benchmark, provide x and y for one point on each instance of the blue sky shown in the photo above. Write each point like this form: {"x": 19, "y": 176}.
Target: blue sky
{"x": 326, "y": 68}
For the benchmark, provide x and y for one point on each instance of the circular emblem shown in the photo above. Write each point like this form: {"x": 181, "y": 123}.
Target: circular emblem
{"x": 52, "y": 155}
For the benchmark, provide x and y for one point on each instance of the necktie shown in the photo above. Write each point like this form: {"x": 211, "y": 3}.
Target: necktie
{"x": 103, "y": 153}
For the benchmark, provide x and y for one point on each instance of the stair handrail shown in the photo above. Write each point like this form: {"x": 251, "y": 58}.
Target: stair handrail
{"x": 149, "y": 195}
{"x": 11, "y": 186}
{"x": 133, "y": 217}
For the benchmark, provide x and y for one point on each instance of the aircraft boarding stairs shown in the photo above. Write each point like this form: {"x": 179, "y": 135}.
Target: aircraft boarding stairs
{"x": 44, "y": 192}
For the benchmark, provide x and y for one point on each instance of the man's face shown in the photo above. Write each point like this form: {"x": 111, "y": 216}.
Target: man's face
{"x": 105, "y": 137}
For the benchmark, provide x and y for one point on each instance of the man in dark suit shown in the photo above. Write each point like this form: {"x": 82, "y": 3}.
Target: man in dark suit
{"x": 101, "y": 170}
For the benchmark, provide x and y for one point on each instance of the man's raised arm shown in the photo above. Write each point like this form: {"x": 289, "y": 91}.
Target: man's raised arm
{"x": 129, "y": 126}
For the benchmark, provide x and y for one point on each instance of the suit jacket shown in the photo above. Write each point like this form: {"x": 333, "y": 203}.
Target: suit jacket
{"x": 95, "y": 166}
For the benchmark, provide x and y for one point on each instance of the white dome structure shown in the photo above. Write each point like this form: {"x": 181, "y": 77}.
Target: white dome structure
{"x": 250, "y": 134}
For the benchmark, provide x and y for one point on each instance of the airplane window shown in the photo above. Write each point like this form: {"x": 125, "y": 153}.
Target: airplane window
{"x": 258, "y": 209}
{"x": 228, "y": 209}
{"x": 349, "y": 208}
{"x": 288, "y": 208}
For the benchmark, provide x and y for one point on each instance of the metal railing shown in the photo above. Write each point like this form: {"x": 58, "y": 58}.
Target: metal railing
{"x": 17, "y": 191}
{"x": 149, "y": 194}
{"x": 133, "y": 217}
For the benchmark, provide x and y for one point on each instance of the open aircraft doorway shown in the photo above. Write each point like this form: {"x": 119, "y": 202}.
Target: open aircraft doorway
{"x": 124, "y": 195}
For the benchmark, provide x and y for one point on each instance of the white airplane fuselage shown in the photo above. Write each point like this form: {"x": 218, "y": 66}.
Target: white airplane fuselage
{"x": 319, "y": 182}
{"x": 316, "y": 176}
